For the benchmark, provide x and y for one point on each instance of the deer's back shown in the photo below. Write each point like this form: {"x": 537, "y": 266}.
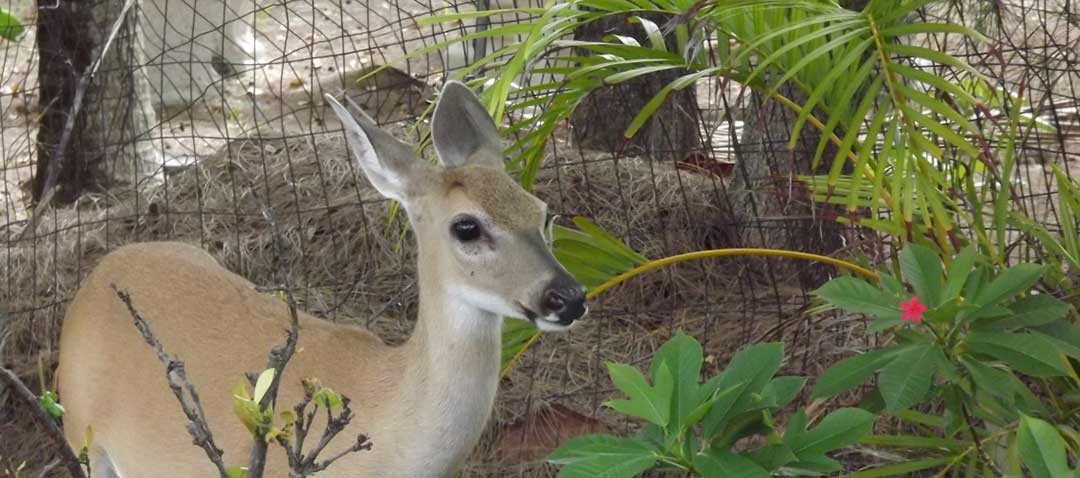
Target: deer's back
{"x": 221, "y": 327}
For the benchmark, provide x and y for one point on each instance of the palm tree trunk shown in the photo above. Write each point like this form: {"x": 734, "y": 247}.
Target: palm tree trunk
{"x": 94, "y": 128}
{"x": 600, "y": 121}
{"x": 770, "y": 206}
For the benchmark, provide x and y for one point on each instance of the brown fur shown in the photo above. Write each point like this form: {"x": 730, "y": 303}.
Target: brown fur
{"x": 424, "y": 403}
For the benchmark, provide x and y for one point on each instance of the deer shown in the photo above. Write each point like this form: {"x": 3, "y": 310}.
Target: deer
{"x": 484, "y": 253}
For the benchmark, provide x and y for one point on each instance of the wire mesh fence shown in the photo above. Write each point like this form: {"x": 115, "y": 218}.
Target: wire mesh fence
{"x": 221, "y": 115}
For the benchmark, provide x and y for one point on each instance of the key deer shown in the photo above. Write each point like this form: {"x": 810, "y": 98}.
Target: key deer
{"x": 483, "y": 253}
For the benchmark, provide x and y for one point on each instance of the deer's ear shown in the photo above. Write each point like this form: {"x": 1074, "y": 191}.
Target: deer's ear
{"x": 391, "y": 165}
{"x": 462, "y": 131}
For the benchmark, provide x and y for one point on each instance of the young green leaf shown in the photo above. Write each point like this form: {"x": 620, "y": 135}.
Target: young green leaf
{"x": 263, "y": 384}
{"x": 1042, "y": 449}
{"x": 328, "y": 398}
{"x": 905, "y": 380}
{"x": 851, "y": 372}
{"x": 603, "y": 456}
{"x": 50, "y": 402}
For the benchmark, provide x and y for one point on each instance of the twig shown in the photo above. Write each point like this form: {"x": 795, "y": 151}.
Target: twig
{"x": 45, "y": 422}
{"x": 280, "y": 354}
{"x": 183, "y": 389}
{"x": 300, "y": 466}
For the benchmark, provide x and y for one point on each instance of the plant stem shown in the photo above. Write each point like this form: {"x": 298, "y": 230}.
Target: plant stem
{"x": 869, "y": 274}
{"x": 656, "y": 264}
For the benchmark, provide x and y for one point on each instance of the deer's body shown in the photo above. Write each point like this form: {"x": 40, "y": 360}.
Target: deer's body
{"x": 423, "y": 404}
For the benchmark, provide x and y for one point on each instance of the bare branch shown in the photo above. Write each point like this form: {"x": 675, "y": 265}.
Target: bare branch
{"x": 301, "y": 466}
{"x": 280, "y": 354}
{"x": 183, "y": 389}
{"x": 68, "y": 457}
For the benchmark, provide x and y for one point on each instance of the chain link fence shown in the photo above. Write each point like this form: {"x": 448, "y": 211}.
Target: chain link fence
{"x": 211, "y": 111}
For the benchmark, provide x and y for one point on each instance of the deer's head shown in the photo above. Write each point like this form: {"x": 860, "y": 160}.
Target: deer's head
{"x": 483, "y": 238}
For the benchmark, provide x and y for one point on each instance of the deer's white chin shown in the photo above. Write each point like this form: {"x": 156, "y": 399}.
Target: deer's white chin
{"x": 550, "y": 323}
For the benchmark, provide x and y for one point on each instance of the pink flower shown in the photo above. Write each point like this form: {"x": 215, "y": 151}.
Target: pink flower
{"x": 913, "y": 310}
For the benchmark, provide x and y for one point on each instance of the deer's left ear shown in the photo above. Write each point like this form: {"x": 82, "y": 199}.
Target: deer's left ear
{"x": 390, "y": 165}
{"x": 462, "y": 131}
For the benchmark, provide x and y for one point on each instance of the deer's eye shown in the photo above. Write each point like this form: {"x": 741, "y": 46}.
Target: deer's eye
{"x": 467, "y": 229}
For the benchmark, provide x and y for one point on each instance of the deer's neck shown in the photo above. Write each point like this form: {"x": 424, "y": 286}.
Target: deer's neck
{"x": 453, "y": 371}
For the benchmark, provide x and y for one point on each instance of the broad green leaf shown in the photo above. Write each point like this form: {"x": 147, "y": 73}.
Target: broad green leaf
{"x": 10, "y": 26}
{"x": 1042, "y": 448}
{"x": 237, "y": 471}
{"x": 905, "y": 380}
{"x": 603, "y": 456}
{"x": 1002, "y": 384}
{"x": 1012, "y": 281}
{"x": 646, "y": 402}
{"x": 857, "y": 295}
{"x": 851, "y": 372}
{"x": 958, "y": 272}
{"x": 780, "y": 391}
{"x": 838, "y": 429}
{"x": 1030, "y": 311}
{"x": 725, "y": 464}
{"x": 1028, "y": 353}
{"x": 1062, "y": 346}
{"x": 922, "y": 269}
{"x": 749, "y": 370}
{"x": 682, "y": 356}
{"x": 706, "y": 402}
{"x": 773, "y": 456}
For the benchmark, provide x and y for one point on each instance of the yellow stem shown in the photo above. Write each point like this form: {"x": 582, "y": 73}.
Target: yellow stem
{"x": 869, "y": 274}
{"x": 651, "y": 265}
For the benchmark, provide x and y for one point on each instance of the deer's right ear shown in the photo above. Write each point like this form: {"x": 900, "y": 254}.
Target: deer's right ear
{"x": 391, "y": 165}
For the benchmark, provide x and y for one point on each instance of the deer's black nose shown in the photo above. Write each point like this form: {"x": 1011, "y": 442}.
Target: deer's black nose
{"x": 566, "y": 300}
